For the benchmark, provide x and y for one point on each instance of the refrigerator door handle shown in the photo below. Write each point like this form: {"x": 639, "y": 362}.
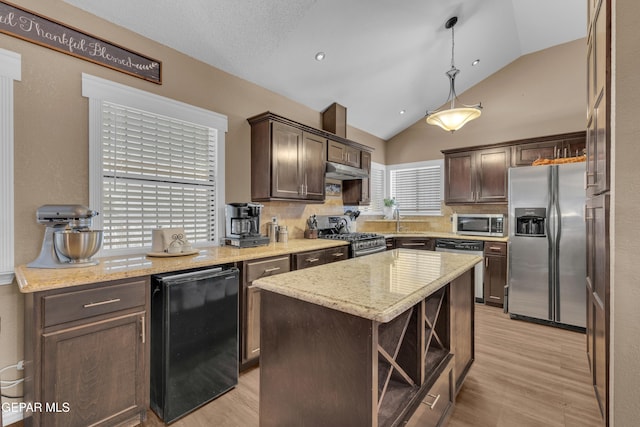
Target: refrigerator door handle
{"x": 551, "y": 240}
{"x": 556, "y": 253}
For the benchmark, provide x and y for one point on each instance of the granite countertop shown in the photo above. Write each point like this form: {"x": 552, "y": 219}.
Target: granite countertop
{"x": 127, "y": 266}
{"x": 442, "y": 235}
{"x": 377, "y": 287}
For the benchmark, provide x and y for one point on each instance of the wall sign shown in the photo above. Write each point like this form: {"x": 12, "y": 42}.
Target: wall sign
{"x": 34, "y": 28}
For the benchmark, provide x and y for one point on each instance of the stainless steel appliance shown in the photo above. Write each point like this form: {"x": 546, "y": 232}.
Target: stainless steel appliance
{"x": 242, "y": 222}
{"x": 68, "y": 239}
{"x": 479, "y": 224}
{"x": 194, "y": 339}
{"x": 468, "y": 247}
{"x": 338, "y": 227}
{"x": 547, "y": 244}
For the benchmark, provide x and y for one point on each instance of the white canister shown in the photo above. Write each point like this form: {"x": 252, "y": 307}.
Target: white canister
{"x": 283, "y": 234}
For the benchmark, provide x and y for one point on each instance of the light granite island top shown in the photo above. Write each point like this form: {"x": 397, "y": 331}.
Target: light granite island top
{"x": 376, "y": 287}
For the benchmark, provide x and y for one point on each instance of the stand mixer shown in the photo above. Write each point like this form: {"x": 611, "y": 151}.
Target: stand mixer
{"x": 68, "y": 240}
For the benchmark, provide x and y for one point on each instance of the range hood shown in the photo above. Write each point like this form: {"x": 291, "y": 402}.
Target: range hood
{"x": 342, "y": 172}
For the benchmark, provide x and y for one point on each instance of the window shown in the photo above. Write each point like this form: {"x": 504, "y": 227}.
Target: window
{"x": 376, "y": 179}
{"x": 417, "y": 187}
{"x": 155, "y": 163}
{"x": 10, "y": 70}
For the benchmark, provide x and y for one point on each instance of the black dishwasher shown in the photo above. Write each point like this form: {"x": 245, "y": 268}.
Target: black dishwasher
{"x": 194, "y": 339}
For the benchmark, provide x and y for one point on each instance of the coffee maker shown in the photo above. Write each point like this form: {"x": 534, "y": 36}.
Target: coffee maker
{"x": 243, "y": 225}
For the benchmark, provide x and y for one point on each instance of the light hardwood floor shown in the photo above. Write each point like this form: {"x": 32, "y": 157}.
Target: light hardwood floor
{"x": 524, "y": 375}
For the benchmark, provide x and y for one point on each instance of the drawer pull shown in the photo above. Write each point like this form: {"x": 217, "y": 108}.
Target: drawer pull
{"x": 312, "y": 259}
{"x": 337, "y": 254}
{"x": 494, "y": 248}
{"x": 95, "y": 304}
{"x": 413, "y": 244}
{"x": 271, "y": 270}
{"x": 435, "y": 401}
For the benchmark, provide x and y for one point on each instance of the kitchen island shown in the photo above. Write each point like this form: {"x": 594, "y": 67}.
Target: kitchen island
{"x": 371, "y": 341}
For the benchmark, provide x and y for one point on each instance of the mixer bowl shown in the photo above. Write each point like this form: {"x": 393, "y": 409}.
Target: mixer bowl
{"x": 78, "y": 245}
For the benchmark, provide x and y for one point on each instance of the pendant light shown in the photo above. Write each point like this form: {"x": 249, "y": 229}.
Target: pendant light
{"x": 453, "y": 118}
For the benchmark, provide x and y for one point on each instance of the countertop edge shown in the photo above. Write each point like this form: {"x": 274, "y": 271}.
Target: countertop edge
{"x": 31, "y": 280}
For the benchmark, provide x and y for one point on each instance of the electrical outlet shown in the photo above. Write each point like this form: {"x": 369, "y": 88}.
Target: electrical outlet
{"x": 274, "y": 219}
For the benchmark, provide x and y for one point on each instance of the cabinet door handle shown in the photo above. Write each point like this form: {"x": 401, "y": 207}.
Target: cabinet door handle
{"x": 271, "y": 270}
{"x": 435, "y": 401}
{"x": 312, "y": 259}
{"x": 486, "y": 262}
{"x": 143, "y": 328}
{"x": 95, "y": 304}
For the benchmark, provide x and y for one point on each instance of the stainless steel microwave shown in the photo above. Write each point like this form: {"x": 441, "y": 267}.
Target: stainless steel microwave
{"x": 479, "y": 224}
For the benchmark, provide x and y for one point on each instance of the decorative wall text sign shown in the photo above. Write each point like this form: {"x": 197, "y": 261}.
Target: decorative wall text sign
{"x": 34, "y": 28}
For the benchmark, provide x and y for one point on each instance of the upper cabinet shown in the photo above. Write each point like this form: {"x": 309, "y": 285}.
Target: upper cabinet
{"x": 480, "y": 174}
{"x": 357, "y": 192}
{"x": 476, "y": 176}
{"x": 550, "y": 147}
{"x": 288, "y": 159}
{"x": 343, "y": 153}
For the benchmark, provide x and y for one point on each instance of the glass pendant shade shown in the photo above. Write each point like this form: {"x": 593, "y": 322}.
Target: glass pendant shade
{"x": 454, "y": 118}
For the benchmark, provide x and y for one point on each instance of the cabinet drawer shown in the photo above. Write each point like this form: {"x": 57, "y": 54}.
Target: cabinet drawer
{"x": 308, "y": 259}
{"x": 70, "y": 306}
{"x": 495, "y": 248}
{"x": 436, "y": 404}
{"x": 266, "y": 267}
{"x": 336, "y": 254}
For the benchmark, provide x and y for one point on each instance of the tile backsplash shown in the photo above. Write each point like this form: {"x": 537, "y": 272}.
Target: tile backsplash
{"x": 294, "y": 215}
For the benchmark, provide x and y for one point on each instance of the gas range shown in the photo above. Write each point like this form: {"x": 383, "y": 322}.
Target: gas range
{"x": 339, "y": 227}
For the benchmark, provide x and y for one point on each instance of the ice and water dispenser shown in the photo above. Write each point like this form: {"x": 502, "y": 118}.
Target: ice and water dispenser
{"x": 530, "y": 222}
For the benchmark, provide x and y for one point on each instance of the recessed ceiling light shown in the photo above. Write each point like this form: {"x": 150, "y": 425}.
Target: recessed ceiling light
{"x": 320, "y": 56}
{"x": 476, "y": 62}
{"x": 403, "y": 111}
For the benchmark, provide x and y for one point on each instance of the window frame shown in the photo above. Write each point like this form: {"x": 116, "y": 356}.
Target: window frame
{"x": 366, "y": 210}
{"x": 10, "y": 71}
{"x": 415, "y": 165}
{"x": 98, "y": 90}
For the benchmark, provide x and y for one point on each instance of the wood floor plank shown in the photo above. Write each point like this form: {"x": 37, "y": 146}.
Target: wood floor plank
{"x": 524, "y": 375}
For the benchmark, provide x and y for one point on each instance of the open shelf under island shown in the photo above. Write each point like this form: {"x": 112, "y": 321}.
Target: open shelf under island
{"x": 381, "y": 340}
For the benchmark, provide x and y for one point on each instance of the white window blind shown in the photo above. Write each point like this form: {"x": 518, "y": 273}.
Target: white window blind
{"x": 10, "y": 71}
{"x": 417, "y": 188}
{"x": 156, "y": 172}
{"x": 377, "y": 191}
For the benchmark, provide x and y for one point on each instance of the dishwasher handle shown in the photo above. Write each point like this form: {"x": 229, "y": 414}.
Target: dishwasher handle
{"x": 197, "y": 275}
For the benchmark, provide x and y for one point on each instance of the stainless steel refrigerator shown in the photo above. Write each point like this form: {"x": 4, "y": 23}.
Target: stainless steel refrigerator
{"x": 547, "y": 261}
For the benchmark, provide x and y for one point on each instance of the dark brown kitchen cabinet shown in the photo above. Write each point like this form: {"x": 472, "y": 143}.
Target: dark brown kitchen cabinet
{"x": 597, "y": 222}
{"x": 598, "y": 187}
{"x": 357, "y": 192}
{"x": 322, "y": 256}
{"x": 420, "y": 243}
{"x": 343, "y": 153}
{"x": 476, "y": 176}
{"x": 250, "y": 303}
{"x": 87, "y": 351}
{"x": 286, "y": 163}
{"x": 495, "y": 272}
{"x": 549, "y": 147}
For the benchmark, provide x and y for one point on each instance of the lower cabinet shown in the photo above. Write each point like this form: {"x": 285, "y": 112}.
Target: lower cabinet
{"x": 436, "y": 405}
{"x": 421, "y": 243}
{"x": 250, "y": 303}
{"x": 87, "y": 354}
{"x": 495, "y": 272}
{"x": 323, "y": 256}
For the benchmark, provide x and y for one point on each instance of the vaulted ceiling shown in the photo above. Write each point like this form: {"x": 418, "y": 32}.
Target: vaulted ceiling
{"x": 381, "y": 56}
